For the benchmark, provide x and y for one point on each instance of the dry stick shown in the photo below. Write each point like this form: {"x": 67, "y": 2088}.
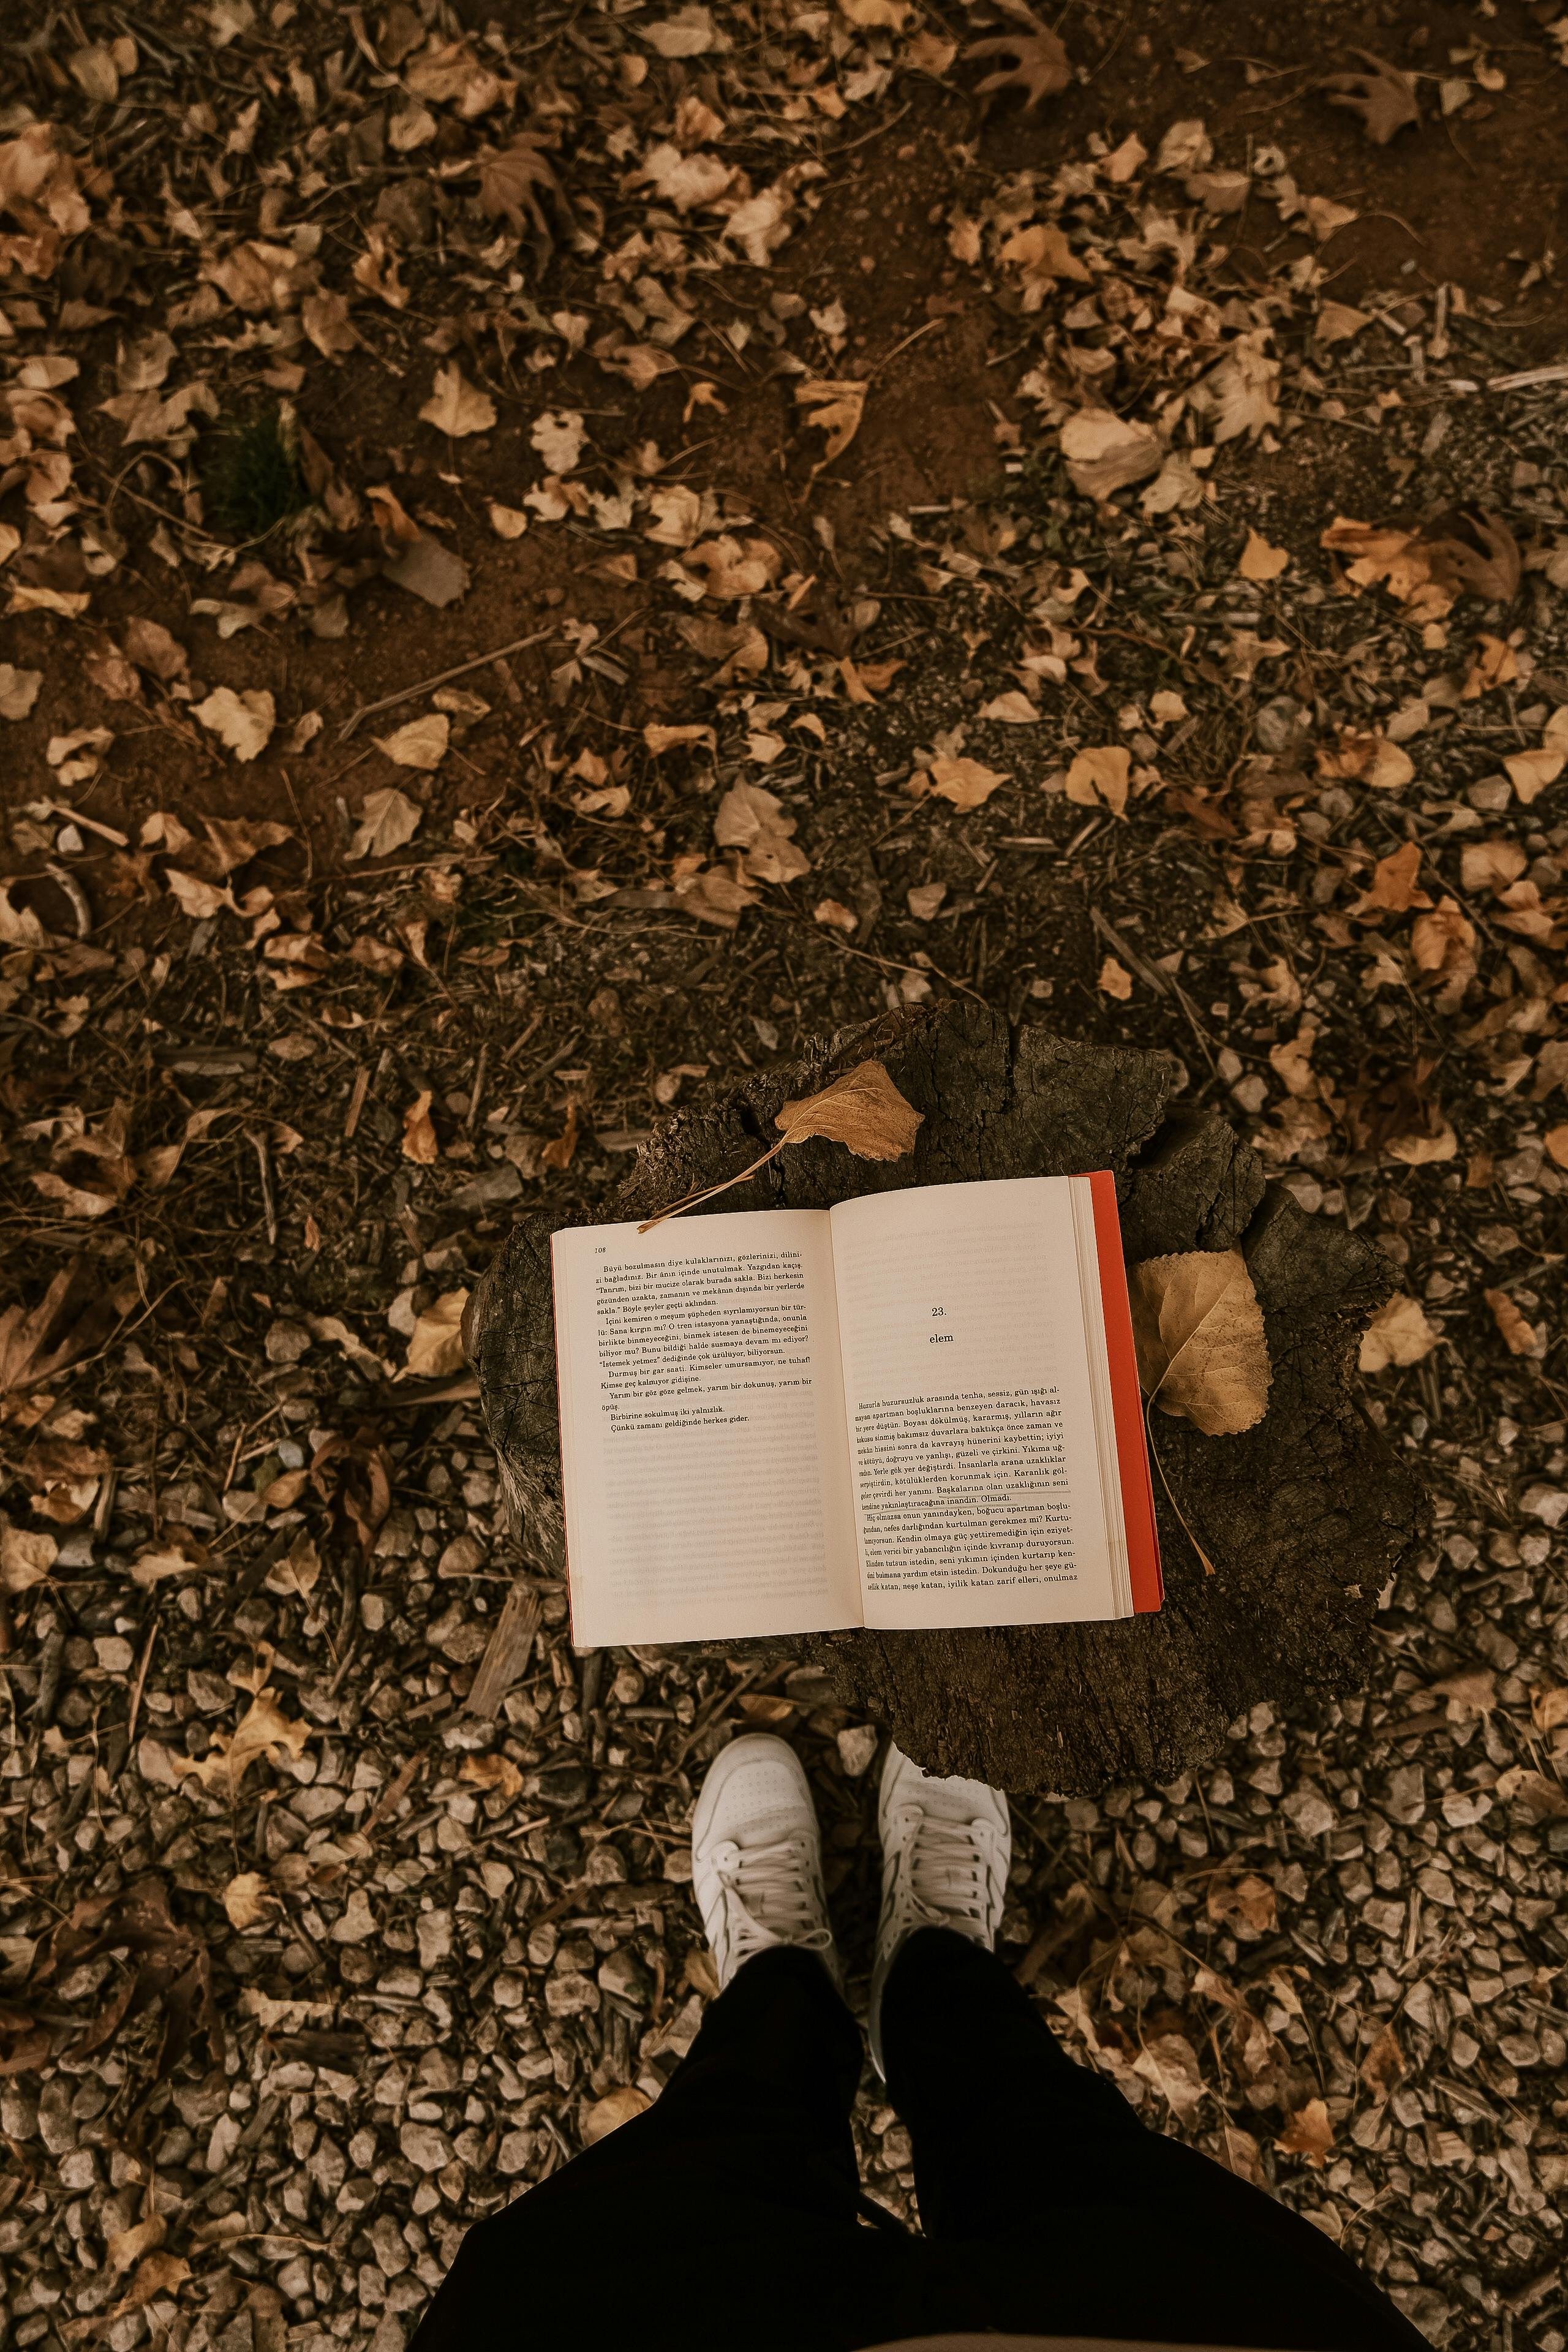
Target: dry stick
{"x": 407, "y": 693}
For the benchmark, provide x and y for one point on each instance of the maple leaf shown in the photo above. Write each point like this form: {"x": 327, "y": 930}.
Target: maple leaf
{"x": 1040, "y": 66}
{"x": 511, "y": 182}
{"x": 1382, "y": 96}
{"x": 836, "y": 410}
{"x": 456, "y": 406}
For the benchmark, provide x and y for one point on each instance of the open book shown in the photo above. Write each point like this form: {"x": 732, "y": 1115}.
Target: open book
{"x": 918, "y": 1408}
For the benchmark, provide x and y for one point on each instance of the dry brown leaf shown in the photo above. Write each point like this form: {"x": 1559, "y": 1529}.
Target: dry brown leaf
{"x": 1399, "y": 1333}
{"x": 1199, "y": 1329}
{"x": 419, "y": 1141}
{"x": 1104, "y": 453}
{"x": 835, "y": 409}
{"x": 558, "y": 1153}
{"x": 244, "y": 721}
{"x": 298, "y": 1573}
{"x": 436, "y": 1342}
{"x": 1383, "y": 2066}
{"x": 616, "y": 2108}
{"x": 753, "y": 819}
{"x": 963, "y": 781}
{"x": 27, "y": 1557}
{"x": 248, "y": 1901}
{"x": 1247, "y": 1905}
{"x": 863, "y": 1110}
{"x": 457, "y": 407}
{"x": 1100, "y": 776}
{"x": 1555, "y": 1139}
{"x": 421, "y": 744}
{"x": 388, "y": 819}
{"x": 1382, "y": 96}
{"x": 1115, "y": 979}
{"x": 1530, "y": 772}
{"x": 835, "y": 915}
{"x": 1394, "y": 887}
{"x": 1040, "y": 66}
{"x": 497, "y": 1775}
{"x": 18, "y": 690}
{"x": 262, "y": 1731}
{"x": 511, "y": 182}
{"x": 1518, "y": 1335}
{"x": 1491, "y": 864}
{"x": 1262, "y": 562}
{"x": 1309, "y": 2134}
{"x": 1014, "y": 708}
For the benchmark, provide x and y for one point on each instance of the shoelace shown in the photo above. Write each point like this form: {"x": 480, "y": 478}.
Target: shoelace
{"x": 947, "y": 1867}
{"x": 773, "y": 1898}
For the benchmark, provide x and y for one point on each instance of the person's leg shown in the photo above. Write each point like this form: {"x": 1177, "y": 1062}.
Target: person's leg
{"x": 1090, "y": 2223}
{"x": 731, "y": 2206}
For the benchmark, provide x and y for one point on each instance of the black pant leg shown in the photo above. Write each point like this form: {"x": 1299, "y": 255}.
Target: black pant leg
{"x": 1093, "y": 2224}
{"x": 736, "y": 2193}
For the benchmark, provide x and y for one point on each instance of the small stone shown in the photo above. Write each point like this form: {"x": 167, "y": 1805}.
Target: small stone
{"x": 857, "y": 1745}
{"x": 358, "y": 1921}
{"x": 515, "y": 2153}
{"x": 425, "y": 2147}
{"x": 286, "y": 1342}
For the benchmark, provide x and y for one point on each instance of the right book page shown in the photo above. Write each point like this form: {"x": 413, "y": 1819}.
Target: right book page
{"x": 996, "y": 1437}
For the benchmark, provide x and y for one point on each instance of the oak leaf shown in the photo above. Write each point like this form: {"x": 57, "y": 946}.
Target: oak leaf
{"x": 863, "y": 1110}
{"x": 1202, "y": 1350}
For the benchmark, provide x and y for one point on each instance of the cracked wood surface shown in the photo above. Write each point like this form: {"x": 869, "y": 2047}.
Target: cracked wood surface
{"x": 1305, "y": 1518}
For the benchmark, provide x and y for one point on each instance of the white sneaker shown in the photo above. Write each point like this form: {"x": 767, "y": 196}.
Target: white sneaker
{"x": 756, "y": 1855}
{"x": 946, "y": 1848}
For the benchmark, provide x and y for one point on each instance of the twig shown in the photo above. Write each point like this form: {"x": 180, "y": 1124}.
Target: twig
{"x": 139, "y": 1683}
{"x": 258, "y": 1143}
{"x": 407, "y": 693}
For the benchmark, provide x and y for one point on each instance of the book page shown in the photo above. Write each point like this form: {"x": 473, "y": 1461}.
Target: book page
{"x": 707, "y": 1475}
{"x": 967, "y": 1316}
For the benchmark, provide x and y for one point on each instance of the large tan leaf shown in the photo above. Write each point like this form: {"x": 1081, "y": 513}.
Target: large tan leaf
{"x": 1398, "y": 1333}
{"x": 1104, "y": 454}
{"x": 436, "y": 1342}
{"x": 244, "y": 721}
{"x": 863, "y": 1110}
{"x": 1198, "y": 1329}
{"x": 18, "y": 690}
{"x": 964, "y": 781}
{"x": 835, "y": 409}
{"x": 456, "y": 406}
{"x": 422, "y": 743}
{"x": 388, "y": 819}
{"x": 1101, "y": 775}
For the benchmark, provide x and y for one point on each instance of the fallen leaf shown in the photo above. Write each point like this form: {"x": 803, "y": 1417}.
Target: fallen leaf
{"x": 27, "y": 1557}
{"x": 659, "y": 739}
{"x": 419, "y": 1142}
{"x": 1555, "y": 1139}
{"x": 456, "y": 406}
{"x": 1040, "y": 66}
{"x": 1247, "y": 1904}
{"x": 1382, "y": 96}
{"x": 835, "y": 409}
{"x": 511, "y": 182}
{"x": 263, "y": 1731}
{"x": 388, "y": 819}
{"x": 18, "y": 690}
{"x": 1393, "y": 890}
{"x": 863, "y": 1110}
{"x": 1530, "y": 772}
{"x": 436, "y": 1342}
{"x": 1399, "y": 1333}
{"x": 1199, "y": 1329}
{"x": 753, "y": 820}
{"x": 298, "y": 1573}
{"x": 964, "y": 781}
{"x": 1518, "y": 1336}
{"x": 1014, "y": 708}
{"x": 159, "y": 1560}
{"x": 1309, "y": 2134}
{"x": 1491, "y": 864}
{"x": 1262, "y": 562}
{"x": 609, "y": 2114}
{"x": 925, "y": 899}
{"x": 125, "y": 2248}
{"x": 421, "y": 744}
{"x": 507, "y": 522}
{"x": 1104, "y": 454}
{"x": 559, "y": 1152}
{"x": 247, "y": 1900}
{"x": 1100, "y": 776}
{"x": 835, "y": 915}
{"x": 1470, "y": 1695}
{"x": 559, "y": 434}
{"x": 1115, "y": 979}
{"x": 1383, "y": 2066}
{"x": 1337, "y": 322}
{"x": 325, "y": 319}
{"x": 244, "y": 721}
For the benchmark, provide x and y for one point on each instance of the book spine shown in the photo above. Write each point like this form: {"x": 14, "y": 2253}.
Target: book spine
{"x": 1127, "y": 1401}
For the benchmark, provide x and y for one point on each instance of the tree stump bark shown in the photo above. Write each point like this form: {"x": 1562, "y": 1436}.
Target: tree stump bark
{"x": 1304, "y": 1517}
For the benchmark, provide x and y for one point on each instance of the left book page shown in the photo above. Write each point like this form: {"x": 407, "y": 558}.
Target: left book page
{"x": 703, "y": 1442}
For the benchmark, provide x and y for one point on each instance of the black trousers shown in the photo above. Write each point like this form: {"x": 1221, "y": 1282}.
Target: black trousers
{"x": 729, "y": 2213}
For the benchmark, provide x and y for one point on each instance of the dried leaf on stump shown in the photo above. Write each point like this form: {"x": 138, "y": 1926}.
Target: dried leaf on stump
{"x": 863, "y": 1110}
{"x": 1199, "y": 1329}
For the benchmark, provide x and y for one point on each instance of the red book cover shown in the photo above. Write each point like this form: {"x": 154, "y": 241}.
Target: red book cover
{"x": 1127, "y": 1401}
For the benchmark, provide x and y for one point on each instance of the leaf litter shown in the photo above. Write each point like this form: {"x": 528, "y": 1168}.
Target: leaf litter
{"x": 1335, "y": 734}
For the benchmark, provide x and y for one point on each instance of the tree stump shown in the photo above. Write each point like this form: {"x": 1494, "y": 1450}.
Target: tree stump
{"x": 1304, "y": 1517}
